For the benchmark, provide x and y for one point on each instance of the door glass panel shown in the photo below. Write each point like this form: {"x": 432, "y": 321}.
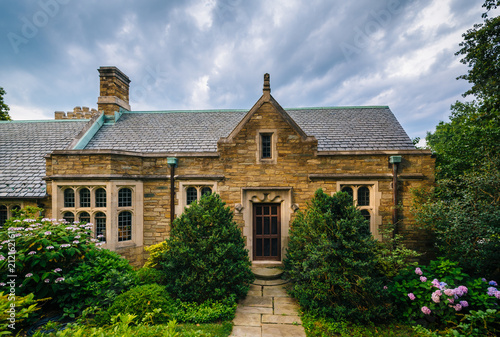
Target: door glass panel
{"x": 274, "y": 247}
{"x": 274, "y": 210}
{"x": 274, "y": 225}
{"x": 258, "y": 210}
{"x": 258, "y": 223}
{"x": 266, "y": 225}
{"x": 267, "y": 247}
{"x": 258, "y": 247}
{"x": 266, "y": 210}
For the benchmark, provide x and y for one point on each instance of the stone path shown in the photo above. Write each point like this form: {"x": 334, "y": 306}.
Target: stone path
{"x": 267, "y": 311}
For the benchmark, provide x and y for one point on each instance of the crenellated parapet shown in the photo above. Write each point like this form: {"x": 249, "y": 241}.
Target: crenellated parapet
{"x": 77, "y": 113}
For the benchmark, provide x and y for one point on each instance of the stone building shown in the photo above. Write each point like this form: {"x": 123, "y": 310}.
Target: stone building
{"x": 114, "y": 167}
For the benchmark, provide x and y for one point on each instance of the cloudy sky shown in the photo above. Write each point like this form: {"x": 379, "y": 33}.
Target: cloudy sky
{"x": 210, "y": 54}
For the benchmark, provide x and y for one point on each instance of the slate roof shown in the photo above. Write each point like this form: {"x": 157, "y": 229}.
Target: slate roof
{"x": 337, "y": 129}
{"x": 23, "y": 145}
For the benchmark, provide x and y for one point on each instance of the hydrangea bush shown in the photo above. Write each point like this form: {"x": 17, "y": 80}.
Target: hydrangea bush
{"x": 437, "y": 293}
{"x": 35, "y": 254}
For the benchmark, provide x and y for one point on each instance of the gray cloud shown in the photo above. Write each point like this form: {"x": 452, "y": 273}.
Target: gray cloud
{"x": 212, "y": 54}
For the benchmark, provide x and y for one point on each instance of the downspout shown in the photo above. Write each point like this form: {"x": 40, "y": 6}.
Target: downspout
{"x": 395, "y": 160}
{"x": 172, "y": 162}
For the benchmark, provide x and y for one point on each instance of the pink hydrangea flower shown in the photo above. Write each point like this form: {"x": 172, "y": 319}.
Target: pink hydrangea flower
{"x": 411, "y": 296}
{"x": 29, "y": 275}
{"x": 457, "y": 307}
{"x": 435, "y": 296}
{"x": 451, "y": 300}
{"x": 435, "y": 283}
{"x": 46, "y": 280}
{"x": 464, "y": 304}
{"x": 449, "y": 292}
{"x": 418, "y": 271}
{"x": 423, "y": 279}
{"x": 57, "y": 270}
{"x": 32, "y": 252}
{"x": 426, "y": 310}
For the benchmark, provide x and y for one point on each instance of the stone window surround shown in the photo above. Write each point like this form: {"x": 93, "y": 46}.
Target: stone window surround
{"x": 280, "y": 195}
{"x": 10, "y": 205}
{"x": 274, "y": 151}
{"x": 111, "y": 210}
{"x": 184, "y": 185}
{"x": 373, "y": 207}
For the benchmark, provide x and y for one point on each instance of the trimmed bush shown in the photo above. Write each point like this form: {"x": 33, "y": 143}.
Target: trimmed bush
{"x": 331, "y": 261}
{"x": 100, "y": 277}
{"x": 146, "y": 275}
{"x": 206, "y": 258}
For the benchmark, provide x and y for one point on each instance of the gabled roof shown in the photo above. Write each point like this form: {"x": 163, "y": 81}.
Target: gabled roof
{"x": 23, "y": 145}
{"x": 335, "y": 128}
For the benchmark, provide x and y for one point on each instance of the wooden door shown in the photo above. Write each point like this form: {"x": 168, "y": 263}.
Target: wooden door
{"x": 267, "y": 232}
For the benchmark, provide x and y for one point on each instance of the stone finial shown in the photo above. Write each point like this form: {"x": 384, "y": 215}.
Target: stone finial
{"x": 267, "y": 87}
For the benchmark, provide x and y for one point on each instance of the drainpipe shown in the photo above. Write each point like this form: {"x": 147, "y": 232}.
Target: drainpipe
{"x": 172, "y": 162}
{"x": 395, "y": 160}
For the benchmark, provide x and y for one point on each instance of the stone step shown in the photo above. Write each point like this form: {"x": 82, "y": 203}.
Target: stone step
{"x": 267, "y": 273}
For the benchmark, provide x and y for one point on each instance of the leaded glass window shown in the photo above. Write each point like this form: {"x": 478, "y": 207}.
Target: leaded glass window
{"x": 124, "y": 226}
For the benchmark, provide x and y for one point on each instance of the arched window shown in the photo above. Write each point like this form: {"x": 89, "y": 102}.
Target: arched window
{"x": 363, "y": 196}
{"x": 69, "y": 217}
{"x": 124, "y": 226}
{"x": 14, "y": 209}
{"x": 84, "y": 217}
{"x": 191, "y": 195}
{"x": 206, "y": 190}
{"x": 349, "y": 191}
{"x": 69, "y": 197}
{"x": 125, "y": 197}
{"x": 366, "y": 214}
{"x": 3, "y": 214}
{"x": 100, "y": 226}
{"x": 100, "y": 197}
{"x": 84, "y": 197}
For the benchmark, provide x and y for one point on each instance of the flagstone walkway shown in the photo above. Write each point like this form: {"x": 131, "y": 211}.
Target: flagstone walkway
{"x": 267, "y": 311}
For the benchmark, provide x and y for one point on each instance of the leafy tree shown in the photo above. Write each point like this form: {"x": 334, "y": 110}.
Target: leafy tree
{"x": 472, "y": 136}
{"x": 463, "y": 210}
{"x": 4, "y": 108}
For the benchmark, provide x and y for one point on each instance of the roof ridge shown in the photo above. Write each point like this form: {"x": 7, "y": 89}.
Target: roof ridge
{"x": 44, "y": 120}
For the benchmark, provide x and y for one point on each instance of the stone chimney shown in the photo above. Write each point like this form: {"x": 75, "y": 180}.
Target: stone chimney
{"x": 114, "y": 90}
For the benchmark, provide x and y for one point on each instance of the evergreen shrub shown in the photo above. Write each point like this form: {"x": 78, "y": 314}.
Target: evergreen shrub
{"x": 331, "y": 261}
{"x": 206, "y": 256}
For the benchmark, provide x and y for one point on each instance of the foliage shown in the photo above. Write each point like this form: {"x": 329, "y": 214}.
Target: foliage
{"x": 155, "y": 254}
{"x": 392, "y": 254}
{"x": 4, "y": 108}
{"x": 469, "y": 142}
{"x": 206, "y": 258}
{"x": 149, "y": 303}
{"x": 475, "y": 324}
{"x": 100, "y": 277}
{"x": 16, "y": 311}
{"x": 129, "y": 325}
{"x": 208, "y": 311}
{"x": 331, "y": 261}
{"x": 437, "y": 294}
{"x": 40, "y": 252}
{"x": 325, "y": 327}
{"x": 146, "y": 275}
{"x": 465, "y": 218}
